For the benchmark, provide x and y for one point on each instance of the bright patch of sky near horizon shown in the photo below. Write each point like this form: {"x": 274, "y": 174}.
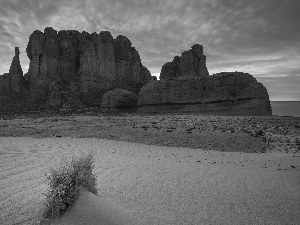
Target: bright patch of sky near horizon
{"x": 260, "y": 37}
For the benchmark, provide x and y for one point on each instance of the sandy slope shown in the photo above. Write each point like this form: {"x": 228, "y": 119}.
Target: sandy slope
{"x": 93, "y": 210}
{"x": 156, "y": 184}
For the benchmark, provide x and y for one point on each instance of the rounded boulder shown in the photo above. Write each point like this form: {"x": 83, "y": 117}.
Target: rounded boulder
{"x": 119, "y": 99}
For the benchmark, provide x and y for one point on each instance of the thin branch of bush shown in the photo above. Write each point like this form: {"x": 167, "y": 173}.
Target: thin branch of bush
{"x": 65, "y": 184}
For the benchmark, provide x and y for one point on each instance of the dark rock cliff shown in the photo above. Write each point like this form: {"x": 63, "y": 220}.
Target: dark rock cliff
{"x": 73, "y": 68}
{"x": 221, "y": 94}
{"x": 13, "y": 87}
{"x": 66, "y": 63}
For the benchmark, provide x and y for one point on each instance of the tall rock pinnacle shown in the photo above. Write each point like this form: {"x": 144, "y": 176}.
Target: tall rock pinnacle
{"x": 16, "y": 79}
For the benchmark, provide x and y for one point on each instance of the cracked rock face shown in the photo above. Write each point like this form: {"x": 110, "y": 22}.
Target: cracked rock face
{"x": 96, "y": 63}
{"x": 191, "y": 63}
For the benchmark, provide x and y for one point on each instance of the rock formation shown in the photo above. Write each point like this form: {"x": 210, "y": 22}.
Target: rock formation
{"x": 191, "y": 91}
{"x": 13, "y": 87}
{"x": 73, "y": 68}
{"x": 16, "y": 80}
{"x": 191, "y": 63}
{"x": 118, "y": 99}
{"x": 92, "y": 64}
{"x": 69, "y": 67}
{"x": 5, "y": 90}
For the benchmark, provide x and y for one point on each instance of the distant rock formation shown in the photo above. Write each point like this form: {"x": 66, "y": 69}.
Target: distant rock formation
{"x": 91, "y": 64}
{"x": 118, "y": 99}
{"x": 190, "y": 91}
{"x": 72, "y": 68}
{"x": 191, "y": 63}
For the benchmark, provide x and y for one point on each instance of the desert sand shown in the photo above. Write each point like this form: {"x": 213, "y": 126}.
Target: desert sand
{"x": 162, "y": 179}
{"x": 221, "y": 133}
{"x": 93, "y": 210}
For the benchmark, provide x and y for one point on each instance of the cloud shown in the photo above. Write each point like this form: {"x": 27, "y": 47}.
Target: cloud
{"x": 282, "y": 88}
{"x": 260, "y": 37}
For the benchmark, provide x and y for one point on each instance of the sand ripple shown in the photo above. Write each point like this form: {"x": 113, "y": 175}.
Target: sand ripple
{"x": 156, "y": 184}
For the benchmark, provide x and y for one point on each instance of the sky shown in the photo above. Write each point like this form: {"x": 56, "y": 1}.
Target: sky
{"x": 260, "y": 37}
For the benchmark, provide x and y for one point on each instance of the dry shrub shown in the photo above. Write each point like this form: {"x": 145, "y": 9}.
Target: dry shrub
{"x": 65, "y": 183}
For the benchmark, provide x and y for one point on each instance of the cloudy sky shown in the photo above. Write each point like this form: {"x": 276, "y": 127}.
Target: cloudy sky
{"x": 260, "y": 37}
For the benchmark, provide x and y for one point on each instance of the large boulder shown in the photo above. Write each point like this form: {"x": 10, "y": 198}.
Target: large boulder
{"x": 94, "y": 63}
{"x": 118, "y": 99}
{"x": 224, "y": 93}
{"x": 191, "y": 63}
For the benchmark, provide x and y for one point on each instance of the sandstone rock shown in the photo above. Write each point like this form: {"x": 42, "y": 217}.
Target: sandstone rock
{"x": 143, "y": 79}
{"x": 253, "y": 90}
{"x": 191, "y": 63}
{"x": 68, "y": 43}
{"x": 119, "y": 99}
{"x": 170, "y": 69}
{"x": 130, "y": 73}
{"x": 13, "y": 87}
{"x": 5, "y": 91}
{"x": 177, "y": 91}
{"x": 56, "y": 96}
{"x": 97, "y": 63}
{"x": 34, "y": 52}
{"x": 226, "y": 86}
{"x": 224, "y": 94}
{"x": 255, "y": 101}
{"x": 88, "y": 69}
{"x": 64, "y": 95}
{"x": 17, "y": 82}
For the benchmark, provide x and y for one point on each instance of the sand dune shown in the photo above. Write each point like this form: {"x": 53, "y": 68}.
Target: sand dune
{"x": 93, "y": 210}
{"x": 156, "y": 184}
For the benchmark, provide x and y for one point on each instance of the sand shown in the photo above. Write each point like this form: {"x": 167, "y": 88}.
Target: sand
{"x": 220, "y": 133}
{"x": 93, "y": 210}
{"x": 156, "y": 184}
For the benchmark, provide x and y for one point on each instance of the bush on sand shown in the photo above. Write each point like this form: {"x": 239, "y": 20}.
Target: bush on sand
{"x": 65, "y": 184}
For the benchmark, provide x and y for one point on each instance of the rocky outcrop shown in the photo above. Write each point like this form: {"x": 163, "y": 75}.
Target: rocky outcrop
{"x": 118, "y": 99}
{"x": 227, "y": 93}
{"x": 186, "y": 87}
{"x": 13, "y": 87}
{"x": 191, "y": 63}
{"x": 5, "y": 90}
{"x": 73, "y": 68}
{"x": 16, "y": 80}
{"x": 92, "y": 63}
